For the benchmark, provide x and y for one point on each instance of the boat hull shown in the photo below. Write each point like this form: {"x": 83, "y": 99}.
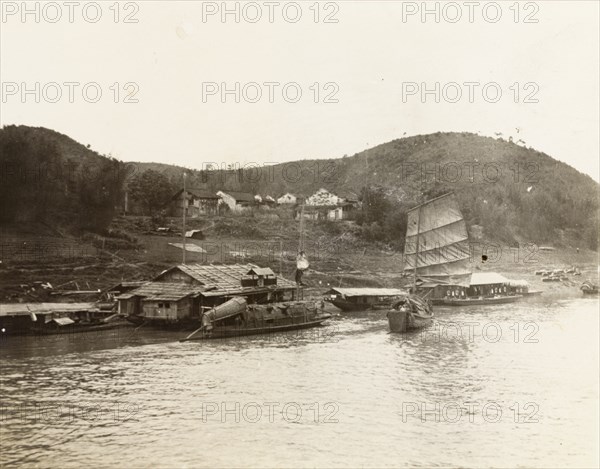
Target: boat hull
{"x": 233, "y": 331}
{"x": 78, "y": 328}
{"x": 349, "y": 306}
{"x": 406, "y": 321}
{"x": 476, "y": 301}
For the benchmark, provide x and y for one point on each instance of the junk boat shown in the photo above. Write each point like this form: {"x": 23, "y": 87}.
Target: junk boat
{"x": 362, "y": 299}
{"x": 437, "y": 252}
{"x": 236, "y": 318}
{"x": 57, "y": 318}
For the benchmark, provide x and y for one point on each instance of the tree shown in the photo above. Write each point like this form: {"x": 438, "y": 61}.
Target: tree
{"x": 151, "y": 190}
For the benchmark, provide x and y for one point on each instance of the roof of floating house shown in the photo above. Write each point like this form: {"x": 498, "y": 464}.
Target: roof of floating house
{"x": 487, "y": 278}
{"x": 24, "y": 309}
{"x": 222, "y": 276}
{"x": 260, "y": 271}
{"x": 160, "y": 291}
{"x": 214, "y": 280}
{"x": 368, "y": 291}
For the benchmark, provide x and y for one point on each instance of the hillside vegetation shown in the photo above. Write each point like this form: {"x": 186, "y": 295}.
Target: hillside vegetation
{"x": 515, "y": 194}
{"x": 48, "y": 178}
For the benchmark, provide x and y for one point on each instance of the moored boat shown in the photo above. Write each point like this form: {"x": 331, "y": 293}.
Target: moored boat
{"x": 57, "y": 318}
{"x": 363, "y": 299}
{"x": 588, "y": 288}
{"x": 410, "y": 314}
{"x": 492, "y": 300}
{"x": 236, "y": 318}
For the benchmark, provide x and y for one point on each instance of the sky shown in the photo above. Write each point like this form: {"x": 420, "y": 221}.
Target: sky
{"x": 356, "y": 74}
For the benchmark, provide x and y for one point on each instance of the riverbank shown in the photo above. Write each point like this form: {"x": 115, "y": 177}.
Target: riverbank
{"x": 71, "y": 264}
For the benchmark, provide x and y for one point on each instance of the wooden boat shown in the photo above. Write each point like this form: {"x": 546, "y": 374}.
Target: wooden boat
{"x": 236, "y": 318}
{"x": 494, "y": 300}
{"x": 410, "y": 314}
{"x": 363, "y": 299}
{"x": 66, "y": 325}
{"x": 57, "y": 318}
{"x": 588, "y": 288}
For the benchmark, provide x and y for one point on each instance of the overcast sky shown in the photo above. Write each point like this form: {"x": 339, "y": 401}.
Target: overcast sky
{"x": 371, "y": 58}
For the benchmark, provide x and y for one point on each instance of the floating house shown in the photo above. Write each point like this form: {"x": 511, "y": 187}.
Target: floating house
{"x": 184, "y": 291}
{"x": 482, "y": 285}
{"x": 361, "y": 299}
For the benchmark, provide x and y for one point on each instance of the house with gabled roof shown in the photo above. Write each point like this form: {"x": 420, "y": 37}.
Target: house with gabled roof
{"x": 237, "y": 201}
{"x": 325, "y": 205}
{"x": 196, "y": 202}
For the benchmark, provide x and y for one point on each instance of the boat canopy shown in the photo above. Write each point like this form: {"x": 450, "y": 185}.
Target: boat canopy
{"x": 488, "y": 278}
{"x": 26, "y": 309}
{"x": 437, "y": 243}
{"x": 349, "y": 292}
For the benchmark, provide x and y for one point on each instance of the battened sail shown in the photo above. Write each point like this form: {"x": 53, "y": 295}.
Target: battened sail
{"x": 442, "y": 252}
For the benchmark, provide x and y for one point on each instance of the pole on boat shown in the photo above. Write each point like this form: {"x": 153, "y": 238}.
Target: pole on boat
{"x": 184, "y": 209}
{"x": 280, "y": 257}
{"x": 417, "y": 250}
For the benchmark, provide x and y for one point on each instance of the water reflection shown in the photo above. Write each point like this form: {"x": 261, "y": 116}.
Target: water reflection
{"x": 142, "y": 398}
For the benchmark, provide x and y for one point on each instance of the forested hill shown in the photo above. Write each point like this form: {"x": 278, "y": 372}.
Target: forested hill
{"x": 47, "y": 177}
{"x": 516, "y": 194}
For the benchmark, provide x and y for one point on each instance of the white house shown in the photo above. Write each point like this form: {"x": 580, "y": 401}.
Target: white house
{"x": 322, "y": 198}
{"x": 236, "y": 201}
{"x": 287, "y": 199}
{"x": 327, "y": 205}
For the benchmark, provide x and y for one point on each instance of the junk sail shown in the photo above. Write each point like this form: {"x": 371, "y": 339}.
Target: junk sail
{"x": 437, "y": 244}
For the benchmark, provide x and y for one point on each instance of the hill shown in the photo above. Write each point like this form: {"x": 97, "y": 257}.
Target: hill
{"x": 516, "y": 194}
{"x": 510, "y": 193}
{"x": 51, "y": 179}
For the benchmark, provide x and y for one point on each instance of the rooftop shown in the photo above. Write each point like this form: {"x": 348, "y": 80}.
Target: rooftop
{"x": 487, "y": 278}
{"x": 224, "y": 277}
{"x": 160, "y": 291}
{"x": 368, "y": 291}
{"x": 241, "y": 196}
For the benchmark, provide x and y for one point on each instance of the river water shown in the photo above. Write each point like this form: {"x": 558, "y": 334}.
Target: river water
{"x": 503, "y": 386}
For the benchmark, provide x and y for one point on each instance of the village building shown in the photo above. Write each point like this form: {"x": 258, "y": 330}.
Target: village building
{"x": 237, "y": 201}
{"x": 197, "y": 202}
{"x": 185, "y": 291}
{"x": 325, "y": 205}
{"x": 290, "y": 199}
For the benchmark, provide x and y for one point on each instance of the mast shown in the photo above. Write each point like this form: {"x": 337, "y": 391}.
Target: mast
{"x": 184, "y": 202}
{"x": 417, "y": 251}
{"x": 301, "y": 241}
